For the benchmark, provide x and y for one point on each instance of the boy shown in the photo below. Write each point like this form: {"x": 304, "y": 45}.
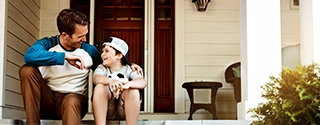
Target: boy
{"x": 113, "y": 98}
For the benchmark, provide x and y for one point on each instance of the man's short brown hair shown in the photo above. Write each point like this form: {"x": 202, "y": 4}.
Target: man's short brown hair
{"x": 68, "y": 18}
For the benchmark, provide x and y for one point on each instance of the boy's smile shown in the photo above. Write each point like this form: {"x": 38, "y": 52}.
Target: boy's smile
{"x": 109, "y": 55}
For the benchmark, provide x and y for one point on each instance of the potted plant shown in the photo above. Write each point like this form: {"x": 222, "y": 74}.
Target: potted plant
{"x": 291, "y": 99}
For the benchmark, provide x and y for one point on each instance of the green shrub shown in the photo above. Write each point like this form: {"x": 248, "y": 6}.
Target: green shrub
{"x": 292, "y": 99}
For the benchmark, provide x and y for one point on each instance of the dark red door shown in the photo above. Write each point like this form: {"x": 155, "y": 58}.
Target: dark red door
{"x": 125, "y": 19}
{"x": 164, "y": 56}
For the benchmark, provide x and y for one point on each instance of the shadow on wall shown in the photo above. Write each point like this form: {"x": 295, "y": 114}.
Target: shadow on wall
{"x": 291, "y": 56}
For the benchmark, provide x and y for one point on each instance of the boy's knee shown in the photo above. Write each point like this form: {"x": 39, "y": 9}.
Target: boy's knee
{"x": 100, "y": 89}
{"x": 132, "y": 93}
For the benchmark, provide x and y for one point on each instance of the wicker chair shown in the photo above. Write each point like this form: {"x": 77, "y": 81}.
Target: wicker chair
{"x": 236, "y": 81}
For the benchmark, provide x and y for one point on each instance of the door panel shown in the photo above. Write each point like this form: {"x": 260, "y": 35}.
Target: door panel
{"x": 164, "y": 56}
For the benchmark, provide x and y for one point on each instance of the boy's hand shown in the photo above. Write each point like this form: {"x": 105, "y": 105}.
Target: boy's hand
{"x": 126, "y": 85}
{"x": 116, "y": 87}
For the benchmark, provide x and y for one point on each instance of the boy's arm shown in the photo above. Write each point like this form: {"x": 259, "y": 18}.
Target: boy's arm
{"x": 100, "y": 79}
{"x": 138, "y": 83}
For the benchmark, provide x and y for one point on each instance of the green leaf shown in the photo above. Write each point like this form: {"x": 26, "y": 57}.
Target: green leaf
{"x": 303, "y": 90}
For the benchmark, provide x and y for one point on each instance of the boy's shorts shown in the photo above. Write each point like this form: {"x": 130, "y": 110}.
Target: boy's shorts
{"x": 116, "y": 108}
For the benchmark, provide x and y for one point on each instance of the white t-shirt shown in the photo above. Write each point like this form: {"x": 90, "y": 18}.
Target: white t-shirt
{"x": 67, "y": 78}
{"x": 125, "y": 70}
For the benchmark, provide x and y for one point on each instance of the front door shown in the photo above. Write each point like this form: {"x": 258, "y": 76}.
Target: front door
{"x": 125, "y": 19}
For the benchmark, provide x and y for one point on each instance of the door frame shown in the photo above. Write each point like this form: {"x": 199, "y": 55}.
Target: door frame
{"x": 149, "y": 54}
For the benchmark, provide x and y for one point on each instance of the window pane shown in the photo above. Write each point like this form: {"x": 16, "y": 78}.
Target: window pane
{"x": 108, "y": 14}
{"x": 164, "y": 14}
{"x": 137, "y": 2}
{"x": 122, "y": 2}
{"x": 81, "y": 2}
{"x": 164, "y": 2}
{"x": 108, "y": 3}
{"x": 136, "y": 13}
{"x": 122, "y": 14}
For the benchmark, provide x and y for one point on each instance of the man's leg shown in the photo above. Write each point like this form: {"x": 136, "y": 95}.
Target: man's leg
{"x": 36, "y": 95}
{"x": 73, "y": 108}
{"x": 131, "y": 99}
{"x": 100, "y": 100}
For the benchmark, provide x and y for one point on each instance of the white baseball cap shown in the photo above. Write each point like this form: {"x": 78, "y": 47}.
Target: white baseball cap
{"x": 119, "y": 45}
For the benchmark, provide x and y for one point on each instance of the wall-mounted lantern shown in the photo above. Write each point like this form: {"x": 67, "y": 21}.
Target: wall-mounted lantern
{"x": 201, "y": 4}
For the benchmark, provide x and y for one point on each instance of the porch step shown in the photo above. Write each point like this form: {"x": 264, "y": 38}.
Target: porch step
{"x": 140, "y": 122}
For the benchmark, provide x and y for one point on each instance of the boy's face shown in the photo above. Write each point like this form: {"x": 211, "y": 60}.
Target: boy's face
{"x": 109, "y": 56}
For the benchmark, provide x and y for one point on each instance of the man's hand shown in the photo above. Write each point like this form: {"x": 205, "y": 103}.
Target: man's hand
{"x": 74, "y": 60}
{"x": 137, "y": 68}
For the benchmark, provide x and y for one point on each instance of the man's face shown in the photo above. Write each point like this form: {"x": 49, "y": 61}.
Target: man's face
{"x": 75, "y": 40}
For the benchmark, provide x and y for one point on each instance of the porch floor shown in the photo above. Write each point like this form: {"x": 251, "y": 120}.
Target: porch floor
{"x": 200, "y": 118}
{"x": 140, "y": 122}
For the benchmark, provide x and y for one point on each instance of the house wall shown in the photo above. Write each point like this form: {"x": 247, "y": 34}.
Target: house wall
{"x": 212, "y": 42}
{"x": 27, "y": 21}
{"x": 23, "y": 26}
{"x": 50, "y": 10}
{"x": 290, "y": 23}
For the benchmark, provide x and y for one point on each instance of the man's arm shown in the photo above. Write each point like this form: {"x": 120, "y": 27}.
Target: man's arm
{"x": 38, "y": 54}
{"x": 134, "y": 67}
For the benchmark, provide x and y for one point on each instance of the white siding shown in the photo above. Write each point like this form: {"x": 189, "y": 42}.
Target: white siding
{"x": 50, "y": 10}
{"x": 26, "y": 20}
{"x": 290, "y": 24}
{"x": 212, "y": 42}
{"x": 23, "y": 25}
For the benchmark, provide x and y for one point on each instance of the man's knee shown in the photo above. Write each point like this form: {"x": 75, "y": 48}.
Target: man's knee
{"x": 26, "y": 71}
{"x": 74, "y": 100}
{"x": 76, "y": 103}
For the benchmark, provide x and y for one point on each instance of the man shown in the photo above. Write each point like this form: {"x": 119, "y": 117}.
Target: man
{"x": 54, "y": 79}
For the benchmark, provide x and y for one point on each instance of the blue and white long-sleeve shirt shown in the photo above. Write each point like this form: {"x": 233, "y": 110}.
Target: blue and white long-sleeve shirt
{"x": 48, "y": 54}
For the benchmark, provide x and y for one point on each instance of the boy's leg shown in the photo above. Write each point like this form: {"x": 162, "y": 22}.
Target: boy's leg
{"x": 37, "y": 96}
{"x": 100, "y": 100}
{"x": 131, "y": 99}
{"x": 73, "y": 107}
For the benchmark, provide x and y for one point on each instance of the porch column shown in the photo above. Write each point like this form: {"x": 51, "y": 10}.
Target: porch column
{"x": 260, "y": 32}
{"x": 309, "y": 31}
